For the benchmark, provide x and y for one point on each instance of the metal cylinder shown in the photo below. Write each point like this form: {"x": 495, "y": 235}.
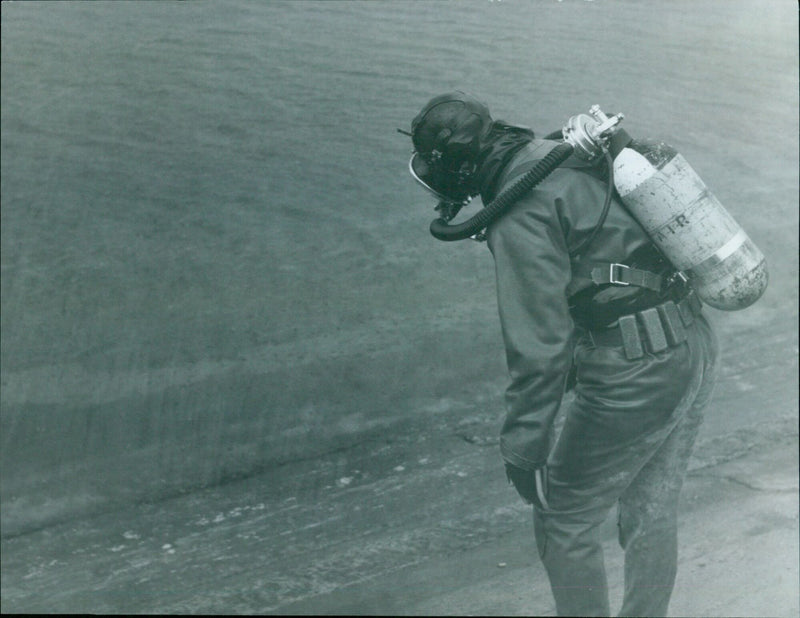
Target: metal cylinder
{"x": 693, "y": 230}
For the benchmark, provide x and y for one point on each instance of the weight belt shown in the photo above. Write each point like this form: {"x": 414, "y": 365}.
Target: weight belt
{"x": 652, "y": 330}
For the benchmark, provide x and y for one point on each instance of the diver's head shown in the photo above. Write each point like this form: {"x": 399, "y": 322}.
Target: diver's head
{"x": 447, "y": 136}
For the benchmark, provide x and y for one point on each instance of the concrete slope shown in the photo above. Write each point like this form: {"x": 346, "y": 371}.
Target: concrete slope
{"x": 422, "y": 525}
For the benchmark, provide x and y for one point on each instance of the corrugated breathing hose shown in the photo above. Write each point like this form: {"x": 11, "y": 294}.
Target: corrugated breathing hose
{"x": 443, "y": 231}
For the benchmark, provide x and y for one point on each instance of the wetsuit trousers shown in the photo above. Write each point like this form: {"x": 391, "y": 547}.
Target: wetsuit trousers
{"x": 626, "y": 440}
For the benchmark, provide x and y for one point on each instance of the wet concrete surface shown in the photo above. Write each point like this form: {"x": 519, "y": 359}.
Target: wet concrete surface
{"x": 414, "y": 526}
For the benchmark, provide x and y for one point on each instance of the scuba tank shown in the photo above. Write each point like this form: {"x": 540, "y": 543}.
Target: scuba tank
{"x": 676, "y": 209}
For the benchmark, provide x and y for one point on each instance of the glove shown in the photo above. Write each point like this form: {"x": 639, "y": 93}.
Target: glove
{"x": 524, "y": 482}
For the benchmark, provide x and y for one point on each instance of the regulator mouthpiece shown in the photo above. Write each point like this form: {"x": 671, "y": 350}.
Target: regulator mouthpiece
{"x": 590, "y": 134}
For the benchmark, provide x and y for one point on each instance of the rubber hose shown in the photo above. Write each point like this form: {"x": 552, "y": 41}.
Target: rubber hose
{"x": 508, "y": 197}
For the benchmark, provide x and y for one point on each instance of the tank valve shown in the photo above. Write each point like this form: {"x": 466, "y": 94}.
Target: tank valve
{"x": 589, "y": 134}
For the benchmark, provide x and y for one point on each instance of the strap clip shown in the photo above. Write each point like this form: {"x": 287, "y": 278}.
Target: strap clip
{"x": 613, "y": 275}
{"x": 623, "y": 275}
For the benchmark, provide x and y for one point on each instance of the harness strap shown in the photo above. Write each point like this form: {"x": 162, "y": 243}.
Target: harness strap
{"x": 601, "y": 273}
{"x": 620, "y": 274}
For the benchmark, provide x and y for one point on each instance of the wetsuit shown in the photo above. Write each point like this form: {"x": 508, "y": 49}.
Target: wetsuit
{"x": 629, "y": 432}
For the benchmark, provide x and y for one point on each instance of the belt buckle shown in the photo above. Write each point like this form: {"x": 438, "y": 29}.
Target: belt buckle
{"x": 613, "y": 275}
{"x": 679, "y": 281}
{"x": 678, "y": 276}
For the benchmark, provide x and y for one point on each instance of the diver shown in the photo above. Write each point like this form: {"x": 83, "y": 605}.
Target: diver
{"x": 587, "y": 303}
